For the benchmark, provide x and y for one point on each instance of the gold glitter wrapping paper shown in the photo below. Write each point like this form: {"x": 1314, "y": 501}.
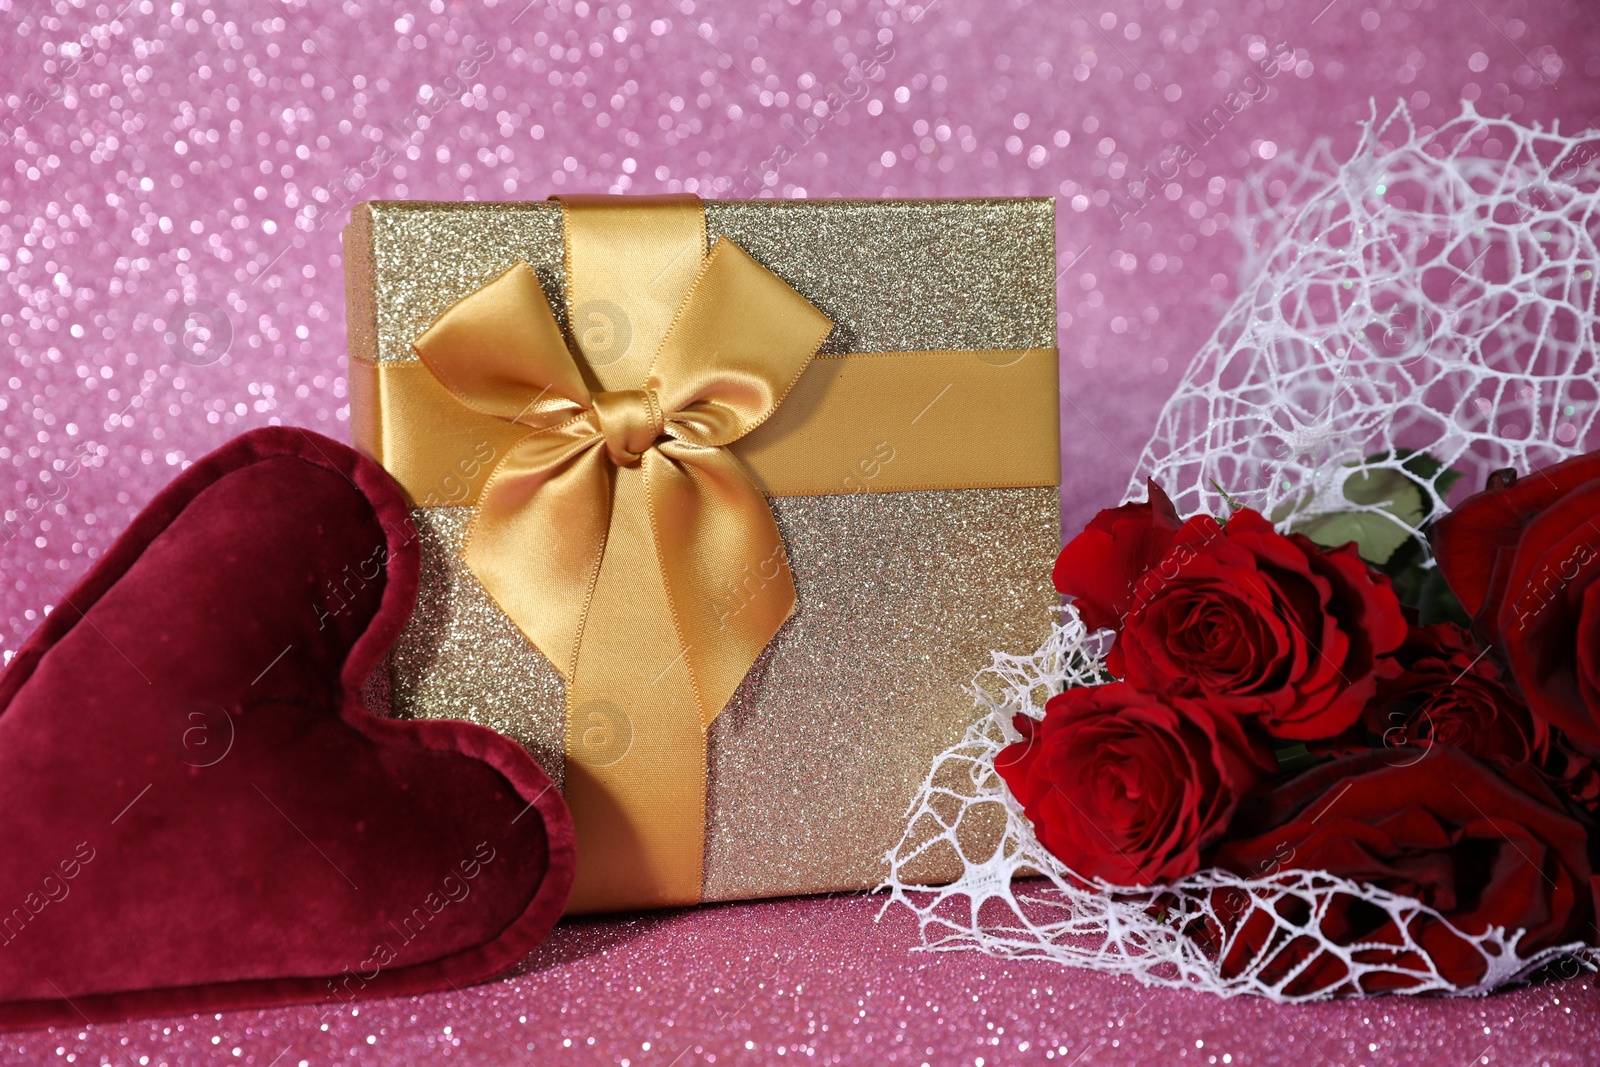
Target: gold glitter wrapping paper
{"x": 901, "y": 595}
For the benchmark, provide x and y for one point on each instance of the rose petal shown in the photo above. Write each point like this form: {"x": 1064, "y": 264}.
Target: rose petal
{"x": 1100, "y": 566}
{"x": 1465, "y": 540}
{"x": 1556, "y": 562}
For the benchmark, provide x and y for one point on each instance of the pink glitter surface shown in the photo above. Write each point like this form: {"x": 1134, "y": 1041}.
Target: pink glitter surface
{"x": 173, "y": 183}
{"x": 816, "y": 981}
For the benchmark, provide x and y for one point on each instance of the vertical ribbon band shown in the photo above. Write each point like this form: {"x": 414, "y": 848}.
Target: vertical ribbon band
{"x": 617, "y": 514}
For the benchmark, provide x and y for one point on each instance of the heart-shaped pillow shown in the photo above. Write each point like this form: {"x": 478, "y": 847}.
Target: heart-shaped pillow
{"x": 197, "y": 812}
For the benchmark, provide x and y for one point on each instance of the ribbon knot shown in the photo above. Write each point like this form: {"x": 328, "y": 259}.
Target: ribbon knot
{"x": 630, "y": 420}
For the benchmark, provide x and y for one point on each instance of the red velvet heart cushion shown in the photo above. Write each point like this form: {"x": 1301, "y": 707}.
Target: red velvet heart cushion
{"x": 196, "y": 811}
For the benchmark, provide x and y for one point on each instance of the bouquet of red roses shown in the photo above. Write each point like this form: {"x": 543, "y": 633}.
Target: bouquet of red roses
{"x": 1275, "y": 704}
{"x": 1343, "y": 740}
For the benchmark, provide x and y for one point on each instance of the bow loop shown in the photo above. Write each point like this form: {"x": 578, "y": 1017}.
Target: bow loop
{"x": 737, "y": 345}
{"x": 500, "y": 352}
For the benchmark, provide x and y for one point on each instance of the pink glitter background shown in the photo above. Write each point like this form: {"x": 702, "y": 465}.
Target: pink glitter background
{"x": 173, "y": 183}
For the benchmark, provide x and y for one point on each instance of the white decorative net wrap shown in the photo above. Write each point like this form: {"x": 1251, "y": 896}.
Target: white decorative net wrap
{"x": 1434, "y": 293}
{"x": 1420, "y": 296}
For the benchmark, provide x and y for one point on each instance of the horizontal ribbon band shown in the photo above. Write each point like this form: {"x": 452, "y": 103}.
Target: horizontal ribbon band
{"x": 861, "y": 422}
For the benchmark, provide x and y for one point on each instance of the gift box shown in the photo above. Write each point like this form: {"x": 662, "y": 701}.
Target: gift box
{"x": 721, "y": 506}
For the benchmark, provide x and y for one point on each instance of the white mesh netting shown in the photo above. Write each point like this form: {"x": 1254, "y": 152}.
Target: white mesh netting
{"x": 1422, "y": 295}
{"x": 1435, "y": 293}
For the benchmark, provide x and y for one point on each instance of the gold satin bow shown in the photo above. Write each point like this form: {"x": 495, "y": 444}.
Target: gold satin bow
{"x": 740, "y": 340}
{"x": 612, "y": 531}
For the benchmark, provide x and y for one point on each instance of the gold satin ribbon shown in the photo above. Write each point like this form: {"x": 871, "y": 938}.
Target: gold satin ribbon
{"x": 616, "y": 517}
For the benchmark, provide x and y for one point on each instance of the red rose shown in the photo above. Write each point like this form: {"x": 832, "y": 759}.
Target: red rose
{"x": 1449, "y": 693}
{"x": 1102, "y": 564}
{"x": 1480, "y": 847}
{"x": 1237, "y": 616}
{"x": 1524, "y": 559}
{"x": 1573, "y": 774}
{"x": 1127, "y": 787}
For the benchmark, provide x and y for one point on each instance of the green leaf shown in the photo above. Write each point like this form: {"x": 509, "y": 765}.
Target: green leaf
{"x": 1391, "y": 490}
{"x": 1376, "y": 536}
{"x": 1290, "y": 506}
{"x": 1425, "y": 467}
{"x": 1401, "y": 493}
{"x": 1445, "y": 480}
{"x": 1425, "y": 589}
{"x": 1292, "y": 759}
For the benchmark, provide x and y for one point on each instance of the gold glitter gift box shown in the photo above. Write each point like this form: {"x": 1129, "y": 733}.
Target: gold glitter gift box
{"x": 912, "y": 471}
